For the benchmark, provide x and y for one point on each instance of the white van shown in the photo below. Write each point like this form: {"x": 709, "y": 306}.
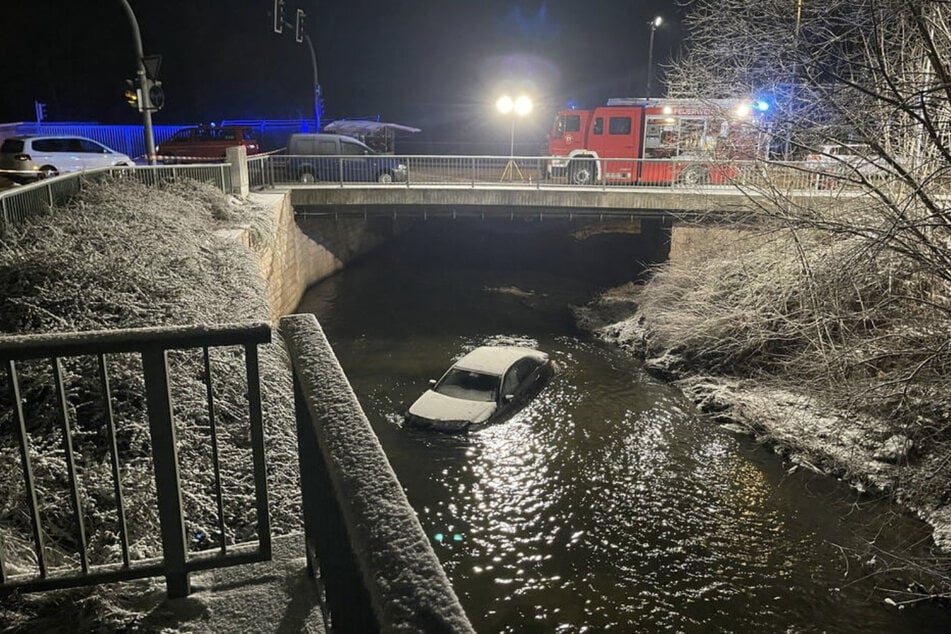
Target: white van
{"x": 24, "y": 158}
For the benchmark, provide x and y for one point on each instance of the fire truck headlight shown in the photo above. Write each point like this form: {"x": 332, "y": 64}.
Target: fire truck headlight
{"x": 505, "y": 104}
{"x": 743, "y": 110}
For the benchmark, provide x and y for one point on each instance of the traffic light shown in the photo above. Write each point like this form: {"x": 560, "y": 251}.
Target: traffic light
{"x": 278, "y": 16}
{"x": 299, "y": 30}
{"x": 131, "y": 94}
{"x": 156, "y": 95}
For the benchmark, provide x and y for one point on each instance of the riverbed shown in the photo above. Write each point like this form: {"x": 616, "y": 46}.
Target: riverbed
{"x": 608, "y": 502}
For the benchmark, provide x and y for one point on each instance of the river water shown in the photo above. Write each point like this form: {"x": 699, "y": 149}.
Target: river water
{"x": 607, "y": 503}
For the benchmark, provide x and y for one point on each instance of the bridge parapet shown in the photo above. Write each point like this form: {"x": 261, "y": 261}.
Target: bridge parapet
{"x": 379, "y": 570}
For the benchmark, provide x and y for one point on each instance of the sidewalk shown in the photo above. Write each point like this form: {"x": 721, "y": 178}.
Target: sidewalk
{"x": 268, "y": 597}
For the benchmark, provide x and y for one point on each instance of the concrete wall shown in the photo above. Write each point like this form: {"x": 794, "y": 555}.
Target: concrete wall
{"x": 292, "y": 260}
{"x": 689, "y": 240}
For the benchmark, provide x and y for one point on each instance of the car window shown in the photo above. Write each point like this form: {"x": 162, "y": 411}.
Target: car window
{"x": 572, "y": 123}
{"x": 352, "y": 149}
{"x": 327, "y": 147}
{"x": 12, "y": 146}
{"x": 91, "y": 147}
{"x": 599, "y": 125}
{"x": 510, "y": 384}
{"x": 182, "y": 135}
{"x": 471, "y": 386}
{"x": 517, "y": 375}
{"x": 50, "y": 145}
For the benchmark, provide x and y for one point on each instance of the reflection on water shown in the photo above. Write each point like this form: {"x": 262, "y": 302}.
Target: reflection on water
{"x": 605, "y": 503}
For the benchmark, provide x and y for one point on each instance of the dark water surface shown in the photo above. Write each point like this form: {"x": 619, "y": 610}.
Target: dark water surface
{"x": 606, "y": 504}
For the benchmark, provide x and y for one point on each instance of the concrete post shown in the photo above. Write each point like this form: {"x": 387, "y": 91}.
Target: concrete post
{"x": 237, "y": 157}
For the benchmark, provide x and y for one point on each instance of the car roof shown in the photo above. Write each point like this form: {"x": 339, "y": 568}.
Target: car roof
{"x": 496, "y": 359}
{"x": 324, "y": 135}
{"x": 39, "y": 137}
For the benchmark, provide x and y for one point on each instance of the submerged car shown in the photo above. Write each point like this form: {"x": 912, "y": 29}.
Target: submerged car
{"x": 487, "y": 385}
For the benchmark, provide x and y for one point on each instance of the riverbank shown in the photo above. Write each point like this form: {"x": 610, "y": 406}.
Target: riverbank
{"x": 123, "y": 255}
{"x": 808, "y": 430}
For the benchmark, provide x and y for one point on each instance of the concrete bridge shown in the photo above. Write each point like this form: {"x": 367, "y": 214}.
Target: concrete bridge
{"x": 562, "y": 201}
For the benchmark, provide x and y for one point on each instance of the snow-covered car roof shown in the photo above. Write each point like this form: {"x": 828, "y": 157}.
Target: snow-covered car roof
{"x": 496, "y": 359}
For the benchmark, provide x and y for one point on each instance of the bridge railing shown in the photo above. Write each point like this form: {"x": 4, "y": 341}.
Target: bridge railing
{"x": 77, "y": 370}
{"x": 376, "y": 566}
{"x": 541, "y": 171}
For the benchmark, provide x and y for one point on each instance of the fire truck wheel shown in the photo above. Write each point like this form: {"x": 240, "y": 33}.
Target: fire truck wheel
{"x": 695, "y": 175}
{"x": 581, "y": 172}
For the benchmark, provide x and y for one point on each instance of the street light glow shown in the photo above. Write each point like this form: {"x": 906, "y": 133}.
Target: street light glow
{"x": 505, "y": 104}
{"x": 658, "y": 21}
{"x": 523, "y": 105}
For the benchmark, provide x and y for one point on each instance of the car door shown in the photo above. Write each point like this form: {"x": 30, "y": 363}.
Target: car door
{"x": 356, "y": 165}
{"x": 519, "y": 378}
{"x": 55, "y": 153}
{"x": 93, "y": 155}
{"x": 328, "y": 165}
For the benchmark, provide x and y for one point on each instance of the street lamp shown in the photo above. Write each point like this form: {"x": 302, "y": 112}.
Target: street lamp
{"x": 656, "y": 22}
{"x": 518, "y": 107}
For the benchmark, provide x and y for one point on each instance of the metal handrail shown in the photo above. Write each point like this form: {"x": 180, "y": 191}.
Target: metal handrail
{"x": 152, "y": 345}
{"x": 19, "y": 203}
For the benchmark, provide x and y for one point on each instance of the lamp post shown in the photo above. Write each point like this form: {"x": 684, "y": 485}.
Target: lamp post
{"x": 656, "y": 22}
{"x": 518, "y": 107}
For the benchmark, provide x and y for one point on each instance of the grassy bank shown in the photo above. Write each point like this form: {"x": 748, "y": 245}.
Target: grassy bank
{"x": 831, "y": 350}
{"x": 120, "y": 256}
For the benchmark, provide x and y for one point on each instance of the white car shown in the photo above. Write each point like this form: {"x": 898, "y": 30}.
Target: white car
{"x": 25, "y": 158}
{"x": 851, "y": 160}
{"x": 485, "y": 386}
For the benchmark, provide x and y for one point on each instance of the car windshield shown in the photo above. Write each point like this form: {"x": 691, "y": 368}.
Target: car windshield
{"x": 471, "y": 386}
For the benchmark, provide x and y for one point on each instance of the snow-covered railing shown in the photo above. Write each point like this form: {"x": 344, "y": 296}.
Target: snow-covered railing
{"x": 377, "y": 569}
{"x": 19, "y": 203}
{"x": 73, "y": 438}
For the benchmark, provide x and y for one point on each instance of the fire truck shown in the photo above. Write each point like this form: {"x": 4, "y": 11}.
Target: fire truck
{"x": 656, "y": 141}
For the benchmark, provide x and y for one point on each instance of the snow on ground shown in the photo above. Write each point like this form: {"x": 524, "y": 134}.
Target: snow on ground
{"x": 813, "y": 435}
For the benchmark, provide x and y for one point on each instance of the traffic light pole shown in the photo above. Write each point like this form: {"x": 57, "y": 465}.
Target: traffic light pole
{"x": 142, "y": 81}
{"x": 313, "y": 62}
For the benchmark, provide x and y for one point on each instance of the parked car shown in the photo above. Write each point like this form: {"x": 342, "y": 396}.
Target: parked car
{"x": 485, "y": 386}
{"x": 26, "y": 158}
{"x": 206, "y": 143}
{"x": 335, "y": 158}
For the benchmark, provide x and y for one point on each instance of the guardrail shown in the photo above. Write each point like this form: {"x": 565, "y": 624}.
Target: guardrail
{"x": 45, "y": 357}
{"x": 540, "y": 172}
{"x": 378, "y": 571}
{"x": 19, "y": 203}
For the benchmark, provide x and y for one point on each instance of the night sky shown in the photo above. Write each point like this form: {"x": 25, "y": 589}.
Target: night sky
{"x": 434, "y": 64}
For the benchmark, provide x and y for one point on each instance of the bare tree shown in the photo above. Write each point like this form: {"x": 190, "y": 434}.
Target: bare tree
{"x": 852, "y": 297}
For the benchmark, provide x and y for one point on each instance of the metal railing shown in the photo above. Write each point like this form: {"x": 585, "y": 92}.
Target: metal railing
{"x": 45, "y": 357}
{"x": 19, "y": 203}
{"x": 541, "y": 172}
{"x": 377, "y": 569}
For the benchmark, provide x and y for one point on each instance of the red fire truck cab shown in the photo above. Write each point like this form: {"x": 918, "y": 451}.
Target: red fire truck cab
{"x": 656, "y": 141}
